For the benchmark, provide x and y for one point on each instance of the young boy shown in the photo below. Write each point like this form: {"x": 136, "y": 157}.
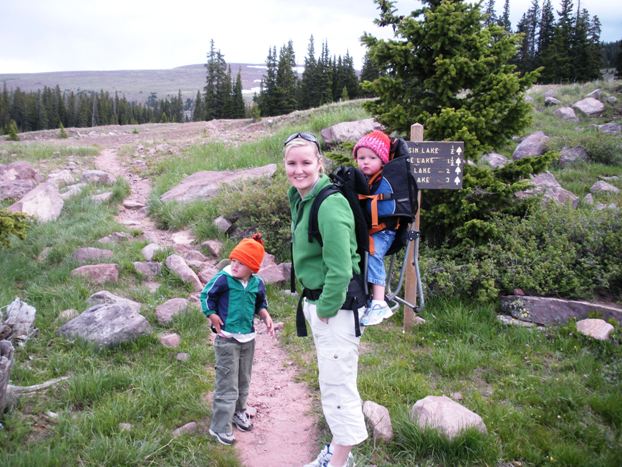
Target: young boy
{"x": 371, "y": 153}
{"x": 230, "y": 300}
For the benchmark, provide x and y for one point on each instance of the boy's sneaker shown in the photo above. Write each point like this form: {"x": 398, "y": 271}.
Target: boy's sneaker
{"x": 323, "y": 458}
{"x": 223, "y": 438}
{"x": 375, "y": 314}
{"x": 242, "y": 421}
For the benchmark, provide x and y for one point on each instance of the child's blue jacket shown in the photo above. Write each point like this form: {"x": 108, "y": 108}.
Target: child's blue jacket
{"x": 235, "y": 304}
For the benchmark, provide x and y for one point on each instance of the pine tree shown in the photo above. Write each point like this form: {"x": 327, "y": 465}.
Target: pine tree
{"x": 504, "y": 21}
{"x": 546, "y": 45}
{"x": 198, "y": 113}
{"x": 618, "y": 61}
{"x": 286, "y": 81}
{"x": 216, "y": 94}
{"x": 369, "y": 73}
{"x": 561, "y": 61}
{"x": 267, "y": 95}
{"x": 239, "y": 109}
{"x": 4, "y": 108}
{"x": 491, "y": 16}
{"x": 349, "y": 79}
{"x": 528, "y": 28}
{"x": 309, "y": 93}
{"x": 453, "y": 75}
{"x": 324, "y": 76}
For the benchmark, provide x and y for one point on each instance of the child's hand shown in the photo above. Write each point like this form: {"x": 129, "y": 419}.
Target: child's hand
{"x": 269, "y": 325}
{"x": 216, "y": 322}
{"x": 267, "y": 319}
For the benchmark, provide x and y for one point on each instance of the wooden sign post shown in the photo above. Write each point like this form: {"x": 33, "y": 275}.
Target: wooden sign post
{"x": 410, "y": 278}
{"x": 437, "y": 165}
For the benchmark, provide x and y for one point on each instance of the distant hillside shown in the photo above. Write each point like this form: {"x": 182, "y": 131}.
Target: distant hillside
{"x": 136, "y": 85}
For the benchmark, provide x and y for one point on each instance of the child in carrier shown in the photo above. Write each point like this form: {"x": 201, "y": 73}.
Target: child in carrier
{"x": 371, "y": 153}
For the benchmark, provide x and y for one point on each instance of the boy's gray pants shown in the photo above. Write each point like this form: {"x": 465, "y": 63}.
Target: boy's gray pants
{"x": 234, "y": 362}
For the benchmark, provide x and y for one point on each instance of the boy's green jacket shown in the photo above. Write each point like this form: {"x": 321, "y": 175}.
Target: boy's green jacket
{"x": 235, "y": 304}
{"x": 330, "y": 267}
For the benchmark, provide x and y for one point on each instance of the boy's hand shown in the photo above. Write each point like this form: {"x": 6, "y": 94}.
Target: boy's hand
{"x": 216, "y": 322}
{"x": 267, "y": 319}
{"x": 269, "y": 325}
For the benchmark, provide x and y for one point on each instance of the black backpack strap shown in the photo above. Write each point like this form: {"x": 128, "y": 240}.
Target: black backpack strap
{"x": 314, "y": 229}
{"x": 301, "y": 327}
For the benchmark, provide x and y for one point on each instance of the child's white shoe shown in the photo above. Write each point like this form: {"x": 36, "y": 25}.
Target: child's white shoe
{"x": 377, "y": 312}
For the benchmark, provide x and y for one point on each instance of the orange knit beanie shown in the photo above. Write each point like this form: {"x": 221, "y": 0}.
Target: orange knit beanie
{"x": 249, "y": 252}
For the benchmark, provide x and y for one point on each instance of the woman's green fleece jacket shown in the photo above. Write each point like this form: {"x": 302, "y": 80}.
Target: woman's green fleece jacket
{"x": 330, "y": 267}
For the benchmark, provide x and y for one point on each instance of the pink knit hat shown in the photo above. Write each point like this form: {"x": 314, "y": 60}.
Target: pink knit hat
{"x": 378, "y": 142}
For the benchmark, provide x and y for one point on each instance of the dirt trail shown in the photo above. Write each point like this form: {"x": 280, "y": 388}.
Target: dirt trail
{"x": 285, "y": 429}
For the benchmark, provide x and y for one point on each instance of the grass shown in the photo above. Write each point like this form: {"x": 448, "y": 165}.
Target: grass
{"x": 56, "y": 156}
{"x": 543, "y": 395}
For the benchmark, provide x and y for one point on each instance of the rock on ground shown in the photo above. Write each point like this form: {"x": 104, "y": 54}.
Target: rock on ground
{"x": 446, "y": 415}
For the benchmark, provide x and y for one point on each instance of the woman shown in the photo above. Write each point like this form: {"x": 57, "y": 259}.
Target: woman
{"x": 325, "y": 272}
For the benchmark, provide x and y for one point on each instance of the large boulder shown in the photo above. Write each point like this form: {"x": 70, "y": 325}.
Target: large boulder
{"x": 349, "y": 131}
{"x": 546, "y": 184}
{"x": 568, "y": 156}
{"x": 17, "y": 179}
{"x": 566, "y": 113}
{"x": 169, "y": 309}
{"x": 205, "y": 184}
{"x": 604, "y": 187}
{"x": 103, "y": 297}
{"x": 107, "y": 324}
{"x": 589, "y": 106}
{"x": 598, "y": 329}
{"x": 494, "y": 160}
{"x": 445, "y": 415}
{"x": 98, "y": 176}
{"x": 610, "y": 128}
{"x": 86, "y": 254}
{"x": 43, "y": 202}
{"x": 379, "y": 419}
{"x": 98, "y": 273}
{"x": 178, "y": 267}
{"x": 21, "y": 320}
{"x": 533, "y": 145}
{"x": 548, "y": 310}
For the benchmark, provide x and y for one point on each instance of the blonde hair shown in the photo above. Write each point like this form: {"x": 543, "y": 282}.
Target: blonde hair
{"x": 301, "y": 142}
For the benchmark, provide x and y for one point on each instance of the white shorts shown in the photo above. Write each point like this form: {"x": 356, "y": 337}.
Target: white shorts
{"x": 337, "y": 350}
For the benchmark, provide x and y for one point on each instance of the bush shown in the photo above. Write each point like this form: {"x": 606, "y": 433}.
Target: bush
{"x": 260, "y": 205}
{"x": 12, "y": 131}
{"x": 555, "y": 251}
{"x": 12, "y": 224}
{"x": 61, "y": 132}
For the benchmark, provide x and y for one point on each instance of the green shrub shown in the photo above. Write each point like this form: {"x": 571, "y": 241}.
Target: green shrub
{"x": 260, "y": 205}
{"x": 61, "y": 132}
{"x": 12, "y": 224}
{"x": 12, "y": 131}
{"x": 556, "y": 251}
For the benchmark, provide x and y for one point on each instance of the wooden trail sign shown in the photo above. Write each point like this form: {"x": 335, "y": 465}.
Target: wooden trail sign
{"x": 437, "y": 165}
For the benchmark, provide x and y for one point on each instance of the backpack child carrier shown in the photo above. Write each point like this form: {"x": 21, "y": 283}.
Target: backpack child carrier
{"x": 394, "y": 210}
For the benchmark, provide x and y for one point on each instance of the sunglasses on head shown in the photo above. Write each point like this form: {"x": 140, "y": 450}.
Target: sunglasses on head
{"x": 303, "y": 135}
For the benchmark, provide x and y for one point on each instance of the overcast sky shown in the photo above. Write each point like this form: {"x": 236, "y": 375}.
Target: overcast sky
{"x": 71, "y": 35}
